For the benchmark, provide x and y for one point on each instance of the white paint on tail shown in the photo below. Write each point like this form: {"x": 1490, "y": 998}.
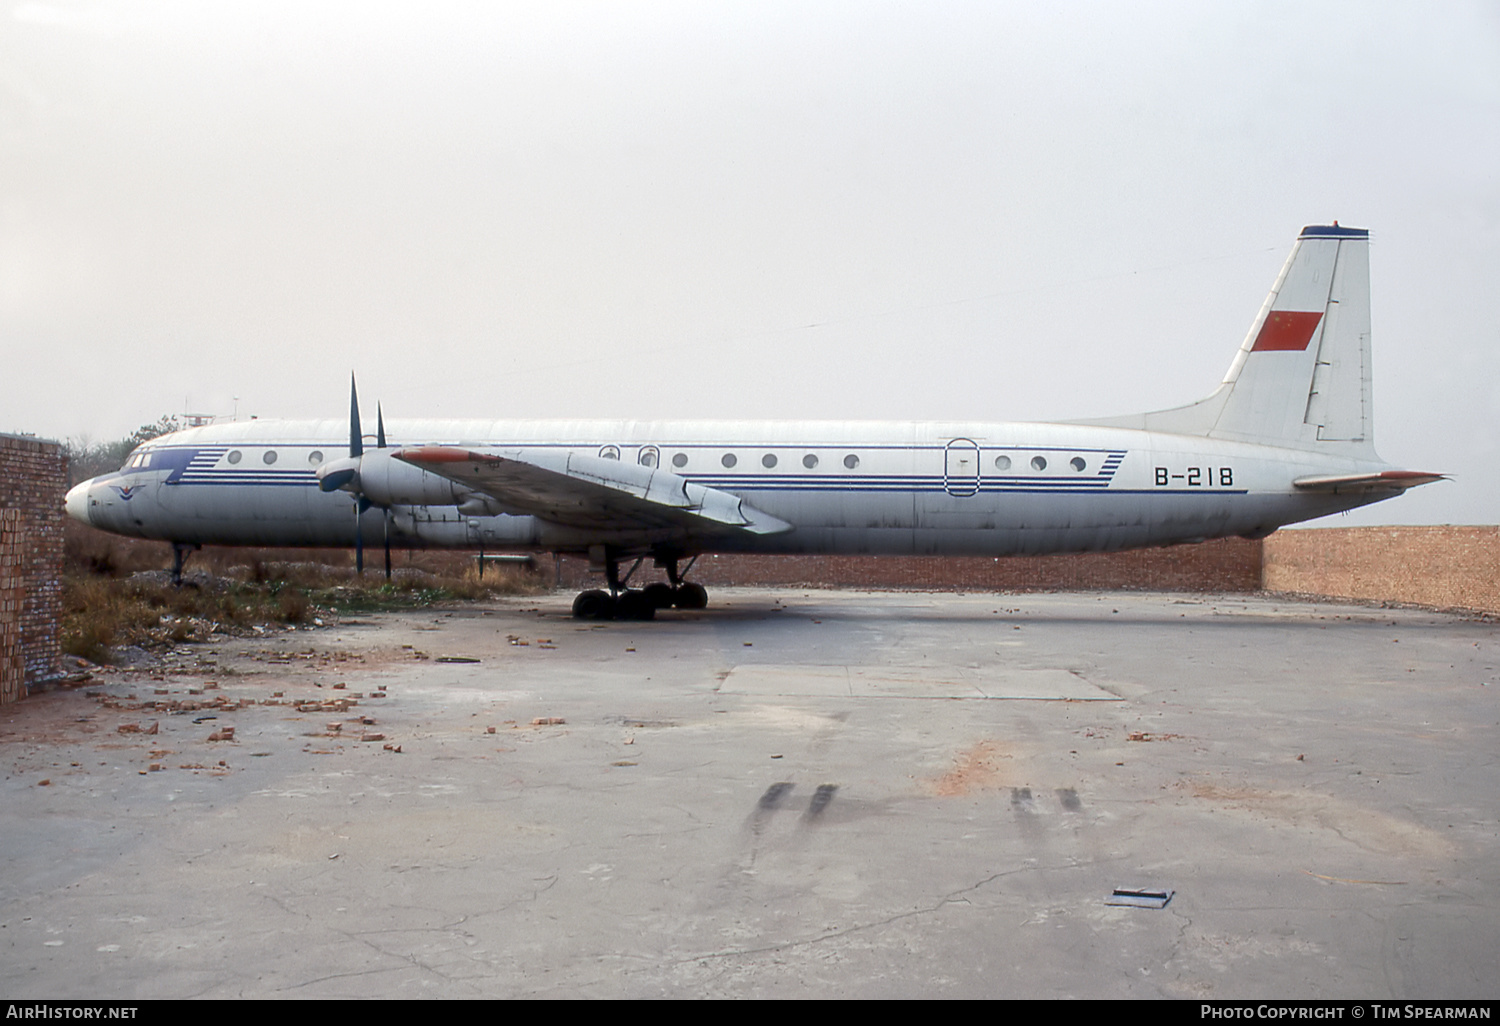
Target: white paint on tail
{"x": 1301, "y": 378}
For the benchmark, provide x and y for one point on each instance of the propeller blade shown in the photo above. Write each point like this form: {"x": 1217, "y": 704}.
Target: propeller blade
{"x": 386, "y": 520}
{"x": 356, "y": 443}
{"x": 379, "y": 428}
{"x": 360, "y": 505}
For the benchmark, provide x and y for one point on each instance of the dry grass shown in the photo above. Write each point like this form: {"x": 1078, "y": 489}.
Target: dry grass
{"x": 117, "y": 592}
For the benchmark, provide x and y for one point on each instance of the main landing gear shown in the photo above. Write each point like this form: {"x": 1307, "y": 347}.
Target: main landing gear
{"x": 622, "y": 603}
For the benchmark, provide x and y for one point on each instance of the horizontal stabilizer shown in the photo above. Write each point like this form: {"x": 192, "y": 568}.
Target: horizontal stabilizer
{"x": 1387, "y": 480}
{"x": 591, "y": 492}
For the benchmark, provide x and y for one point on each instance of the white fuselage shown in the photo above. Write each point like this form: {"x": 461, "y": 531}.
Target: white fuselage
{"x": 845, "y": 487}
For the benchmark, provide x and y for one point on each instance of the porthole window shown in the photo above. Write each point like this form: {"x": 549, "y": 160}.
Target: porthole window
{"x": 729, "y": 459}
{"x": 315, "y": 457}
{"x": 269, "y": 457}
{"x": 1038, "y": 463}
{"x": 809, "y": 461}
{"x": 1078, "y": 464}
{"x": 648, "y": 456}
{"x": 851, "y": 461}
{"x": 609, "y": 452}
{"x": 680, "y": 460}
{"x": 235, "y": 456}
{"x": 768, "y": 460}
{"x": 1002, "y": 462}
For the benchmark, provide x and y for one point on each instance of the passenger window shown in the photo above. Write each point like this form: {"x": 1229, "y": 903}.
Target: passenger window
{"x": 809, "y": 461}
{"x": 729, "y": 459}
{"x": 1078, "y": 464}
{"x": 610, "y": 452}
{"x": 1038, "y": 463}
{"x": 315, "y": 457}
{"x": 679, "y": 460}
{"x": 1002, "y": 462}
{"x": 768, "y": 460}
{"x": 649, "y": 456}
{"x": 269, "y": 457}
{"x": 851, "y": 461}
{"x": 235, "y": 456}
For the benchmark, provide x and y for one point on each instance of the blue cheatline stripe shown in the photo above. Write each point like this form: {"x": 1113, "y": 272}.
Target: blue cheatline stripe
{"x": 288, "y": 482}
{"x": 1086, "y": 486}
{"x": 901, "y": 484}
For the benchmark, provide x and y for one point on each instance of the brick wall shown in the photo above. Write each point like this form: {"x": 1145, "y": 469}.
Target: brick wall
{"x": 12, "y": 594}
{"x": 1225, "y": 564}
{"x": 1446, "y": 567}
{"x": 33, "y": 477}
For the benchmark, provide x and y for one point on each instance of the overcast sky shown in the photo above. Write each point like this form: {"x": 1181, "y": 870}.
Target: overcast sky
{"x": 852, "y": 210}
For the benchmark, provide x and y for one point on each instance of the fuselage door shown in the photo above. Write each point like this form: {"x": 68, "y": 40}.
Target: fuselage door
{"x": 961, "y": 467}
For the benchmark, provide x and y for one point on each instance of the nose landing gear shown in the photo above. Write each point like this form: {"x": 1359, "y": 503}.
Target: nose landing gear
{"x": 180, "y": 553}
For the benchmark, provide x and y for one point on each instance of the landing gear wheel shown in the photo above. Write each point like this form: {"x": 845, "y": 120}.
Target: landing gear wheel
{"x": 660, "y": 595}
{"x": 691, "y": 596}
{"x": 593, "y": 605}
{"x": 635, "y": 605}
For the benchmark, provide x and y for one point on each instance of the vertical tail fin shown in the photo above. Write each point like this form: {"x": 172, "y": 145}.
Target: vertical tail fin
{"x": 1301, "y": 378}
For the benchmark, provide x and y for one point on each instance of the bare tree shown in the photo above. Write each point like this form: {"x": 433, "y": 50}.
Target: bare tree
{"x": 89, "y": 459}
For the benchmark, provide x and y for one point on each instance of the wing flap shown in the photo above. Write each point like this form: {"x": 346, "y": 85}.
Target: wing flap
{"x": 1385, "y": 480}
{"x": 591, "y": 492}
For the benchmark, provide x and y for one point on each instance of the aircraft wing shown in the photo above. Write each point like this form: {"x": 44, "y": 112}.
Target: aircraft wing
{"x": 1385, "y": 480}
{"x": 593, "y": 493}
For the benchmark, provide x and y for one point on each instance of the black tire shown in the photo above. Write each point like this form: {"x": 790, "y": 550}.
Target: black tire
{"x": 635, "y": 605}
{"x": 593, "y": 605}
{"x": 691, "y": 596}
{"x": 659, "y": 594}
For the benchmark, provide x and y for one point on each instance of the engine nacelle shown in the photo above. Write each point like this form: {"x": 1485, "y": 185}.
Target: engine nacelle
{"x": 386, "y": 481}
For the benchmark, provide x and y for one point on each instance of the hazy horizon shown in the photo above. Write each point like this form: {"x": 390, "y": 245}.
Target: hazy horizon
{"x": 951, "y": 211}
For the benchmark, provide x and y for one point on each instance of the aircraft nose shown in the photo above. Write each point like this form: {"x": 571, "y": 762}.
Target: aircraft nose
{"x": 77, "y": 502}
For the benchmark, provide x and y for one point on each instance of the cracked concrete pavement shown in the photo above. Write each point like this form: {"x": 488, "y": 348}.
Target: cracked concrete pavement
{"x": 790, "y": 794}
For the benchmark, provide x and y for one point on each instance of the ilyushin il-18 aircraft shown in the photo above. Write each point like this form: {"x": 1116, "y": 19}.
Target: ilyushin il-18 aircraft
{"x": 1286, "y": 437}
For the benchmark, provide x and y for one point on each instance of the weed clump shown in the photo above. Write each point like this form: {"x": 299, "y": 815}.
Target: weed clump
{"x": 106, "y": 608}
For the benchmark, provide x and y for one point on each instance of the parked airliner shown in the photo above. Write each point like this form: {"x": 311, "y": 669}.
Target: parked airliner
{"x": 1286, "y": 437}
